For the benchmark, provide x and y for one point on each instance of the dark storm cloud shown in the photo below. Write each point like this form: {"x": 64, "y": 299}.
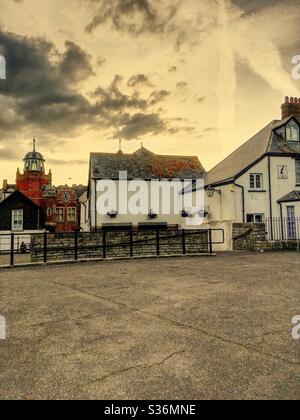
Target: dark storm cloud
{"x": 253, "y": 6}
{"x": 75, "y": 63}
{"x": 42, "y": 91}
{"x": 133, "y": 16}
{"x": 140, "y": 124}
{"x": 112, "y": 99}
{"x": 158, "y": 96}
{"x": 139, "y": 80}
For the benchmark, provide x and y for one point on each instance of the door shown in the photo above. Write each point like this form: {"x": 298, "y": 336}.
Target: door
{"x": 291, "y": 222}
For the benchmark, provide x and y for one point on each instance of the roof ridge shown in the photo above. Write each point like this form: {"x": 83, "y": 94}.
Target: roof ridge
{"x": 154, "y": 154}
{"x": 243, "y": 144}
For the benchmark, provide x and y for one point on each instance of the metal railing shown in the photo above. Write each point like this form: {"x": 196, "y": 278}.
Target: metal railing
{"x": 46, "y": 247}
{"x": 285, "y": 229}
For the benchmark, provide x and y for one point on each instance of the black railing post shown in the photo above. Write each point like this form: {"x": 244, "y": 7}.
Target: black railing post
{"x": 104, "y": 243}
{"x": 45, "y": 246}
{"x": 183, "y": 242}
{"x": 131, "y": 243}
{"x": 76, "y": 245}
{"x": 210, "y": 241}
{"x": 157, "y": 243}
{"x": 12, "y": 249}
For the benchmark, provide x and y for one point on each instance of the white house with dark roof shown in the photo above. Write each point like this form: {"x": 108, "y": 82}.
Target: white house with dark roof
{"x": 141, "y": 165}
{"x": 261, "y": 179}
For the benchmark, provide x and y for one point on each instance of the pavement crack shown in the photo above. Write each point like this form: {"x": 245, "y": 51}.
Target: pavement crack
{"x": 130, "y": 368}
{"x": 183, "y": 325}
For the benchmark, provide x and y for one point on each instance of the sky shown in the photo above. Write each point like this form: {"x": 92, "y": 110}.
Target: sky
{"x": 185, "y": 77}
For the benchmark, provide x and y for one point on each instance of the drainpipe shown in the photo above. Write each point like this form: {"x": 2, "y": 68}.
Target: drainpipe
{"x": 243, "y": 199}
{"x": 281, "y": 219}
{"x": 270, "y": 196}
{"x": 95, "y": 198}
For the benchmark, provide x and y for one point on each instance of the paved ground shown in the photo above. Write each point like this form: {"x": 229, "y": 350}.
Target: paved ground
{"x": 194, "y": 328}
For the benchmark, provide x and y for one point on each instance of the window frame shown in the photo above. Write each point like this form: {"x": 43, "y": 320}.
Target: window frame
{"x": 255, "y": 175}
{"x": 255, "y": 215}
{"x": 72, "y": 219}
{"x": 297, "y": 171}
{"x": 292, "y": 129}
{"x": 58, "y": 214}
{"x": 20, "y": 226}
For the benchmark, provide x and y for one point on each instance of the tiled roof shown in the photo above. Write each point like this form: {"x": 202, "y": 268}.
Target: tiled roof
{"x": 292, "y": 196}
{"x": 145, "y": 165}
{"x": 267, "y": 140}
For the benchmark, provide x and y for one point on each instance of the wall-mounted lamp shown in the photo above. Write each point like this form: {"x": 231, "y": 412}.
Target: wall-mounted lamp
{"x": 113, "y": 214}
{"x": 210, "y": 192}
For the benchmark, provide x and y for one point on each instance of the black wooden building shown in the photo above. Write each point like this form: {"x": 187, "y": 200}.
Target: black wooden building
{"x": 19, "y": 213}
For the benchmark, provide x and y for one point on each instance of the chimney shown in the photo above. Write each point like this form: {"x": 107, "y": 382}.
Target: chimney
{"x": 5, "y": 184}
{"x": 291, "y": 107}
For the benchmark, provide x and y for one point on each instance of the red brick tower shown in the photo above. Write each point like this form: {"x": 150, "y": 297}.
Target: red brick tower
{"x": 32, "y": 181}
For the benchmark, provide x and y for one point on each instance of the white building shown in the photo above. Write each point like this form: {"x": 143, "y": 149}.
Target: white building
{"x": 6, "y": 190}
{"x": 261, "y": 179}
{"x": 141, "y": 165}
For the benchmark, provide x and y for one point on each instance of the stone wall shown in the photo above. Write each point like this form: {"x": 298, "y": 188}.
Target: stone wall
{"x": 252, "y": 237}
{"x": 118, "y": 244}
{"x": 249, "y": 236}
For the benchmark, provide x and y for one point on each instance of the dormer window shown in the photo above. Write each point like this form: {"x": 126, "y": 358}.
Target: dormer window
{"x": 292, "y": 132}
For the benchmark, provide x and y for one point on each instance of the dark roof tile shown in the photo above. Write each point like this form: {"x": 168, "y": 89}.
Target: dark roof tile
{"x": 145, "y": 165}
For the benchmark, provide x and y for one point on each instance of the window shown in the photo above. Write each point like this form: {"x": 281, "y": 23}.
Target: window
{"x": 298, "y": 172}
{"x": 17, "y": 220}
{"x": 291, "y": 222}
{"x": 255, "y": 218}
{"x": 60, "y": 215}
{"x": 49, "y": 212}
{"x": 72, "y": 214}
{"x": 256, "y": 181}
{"x": 292, "y": 132}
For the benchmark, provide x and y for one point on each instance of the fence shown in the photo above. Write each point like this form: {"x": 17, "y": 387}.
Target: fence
{"x": 47, "y": 247}
{"x": 285, "y": 229}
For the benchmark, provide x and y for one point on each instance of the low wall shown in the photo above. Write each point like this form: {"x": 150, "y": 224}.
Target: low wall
{"x": 252, "y": 237}
{"x": 118, "y": 244}
{"x": 249, "y": 236}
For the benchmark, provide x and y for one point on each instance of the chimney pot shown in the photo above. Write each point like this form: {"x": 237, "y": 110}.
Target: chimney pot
{"x": 290, "y": 107}
{"x": 5, "y": 183}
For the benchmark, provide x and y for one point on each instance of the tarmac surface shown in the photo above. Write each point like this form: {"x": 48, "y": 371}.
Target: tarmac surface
{"x": 178, "y": 328}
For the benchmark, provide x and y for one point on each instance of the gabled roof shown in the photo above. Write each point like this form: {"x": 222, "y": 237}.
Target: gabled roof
{"x": 144, "y": 164}
{"x": 267, "y": 140}
{"x": 21, "y": 195}
{"x": 292, "y": 196}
